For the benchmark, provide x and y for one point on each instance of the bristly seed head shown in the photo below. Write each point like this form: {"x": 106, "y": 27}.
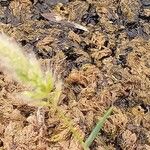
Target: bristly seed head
{"x": 27, "y": 70}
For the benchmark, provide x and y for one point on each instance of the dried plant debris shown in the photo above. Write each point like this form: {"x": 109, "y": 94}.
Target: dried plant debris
{"x": 101, "y": 50}
{"x": 58, "y": 19}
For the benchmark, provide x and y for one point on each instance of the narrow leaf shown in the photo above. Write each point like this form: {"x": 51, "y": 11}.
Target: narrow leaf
{"x": 97, "y": 128}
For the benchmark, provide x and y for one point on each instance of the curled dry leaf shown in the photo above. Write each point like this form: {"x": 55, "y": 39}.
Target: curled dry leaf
{"x": 129, "y": 139}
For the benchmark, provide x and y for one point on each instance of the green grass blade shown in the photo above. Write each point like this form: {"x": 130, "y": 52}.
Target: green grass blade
{"x": 98, "y": 127}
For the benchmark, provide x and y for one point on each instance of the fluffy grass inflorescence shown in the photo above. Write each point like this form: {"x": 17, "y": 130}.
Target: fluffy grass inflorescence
{"x": 26, "y": 69}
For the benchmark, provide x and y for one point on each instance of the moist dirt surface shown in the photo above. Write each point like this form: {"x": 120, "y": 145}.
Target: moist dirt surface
{"x": 109, "y": 64}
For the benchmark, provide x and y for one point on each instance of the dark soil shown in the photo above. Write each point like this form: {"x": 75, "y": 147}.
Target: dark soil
{"x": 109, "y": 65}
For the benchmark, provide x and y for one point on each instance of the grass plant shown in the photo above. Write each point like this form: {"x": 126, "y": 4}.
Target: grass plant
{"x": 26, "y": 69}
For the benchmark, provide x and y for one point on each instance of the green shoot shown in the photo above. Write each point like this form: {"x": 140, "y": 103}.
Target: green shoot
{"x": 97, "y": 128}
